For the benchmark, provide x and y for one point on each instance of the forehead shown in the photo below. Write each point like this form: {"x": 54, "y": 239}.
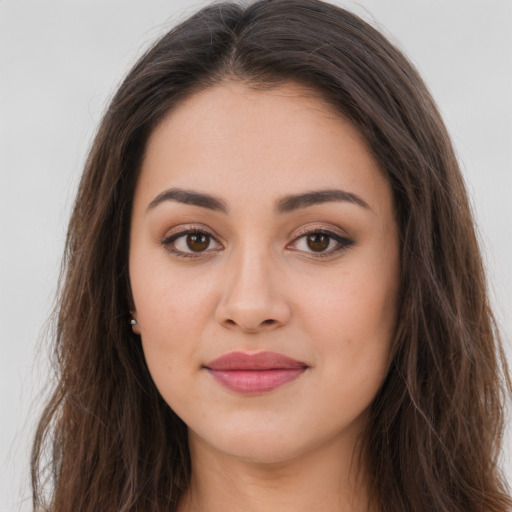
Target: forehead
{"x": 244, "y": 143}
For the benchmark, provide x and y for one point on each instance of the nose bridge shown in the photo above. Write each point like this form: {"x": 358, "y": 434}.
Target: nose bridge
{"x": 252, "y": 271}
{"x": 253, "y": 298}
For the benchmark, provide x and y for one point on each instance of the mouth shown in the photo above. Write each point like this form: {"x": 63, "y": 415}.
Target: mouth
{"x": 255, "y": 373}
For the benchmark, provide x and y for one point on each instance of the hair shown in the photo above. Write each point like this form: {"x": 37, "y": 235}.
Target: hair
{"x": 108, "y": 441}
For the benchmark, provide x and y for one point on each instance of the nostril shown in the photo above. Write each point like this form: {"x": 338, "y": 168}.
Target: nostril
{"x": 265, "y": 323}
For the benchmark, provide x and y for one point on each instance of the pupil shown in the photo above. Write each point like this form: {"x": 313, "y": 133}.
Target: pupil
{"x": 198, "y": 242}
{"x": 318, "y": 242}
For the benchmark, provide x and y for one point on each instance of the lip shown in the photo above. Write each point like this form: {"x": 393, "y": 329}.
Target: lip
{"x": 257, "y": 373}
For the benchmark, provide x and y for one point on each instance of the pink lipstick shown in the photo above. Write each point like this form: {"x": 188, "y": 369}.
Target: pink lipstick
{"x": 255, "y": 373}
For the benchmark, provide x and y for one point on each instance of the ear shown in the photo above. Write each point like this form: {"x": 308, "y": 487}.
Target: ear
{"x": 134, "y": 320}
{"x": 135, "y": 323}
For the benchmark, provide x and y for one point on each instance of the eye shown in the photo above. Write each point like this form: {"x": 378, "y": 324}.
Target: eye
{"x": 191, "y": 243}
{"x": 321, "y": 243}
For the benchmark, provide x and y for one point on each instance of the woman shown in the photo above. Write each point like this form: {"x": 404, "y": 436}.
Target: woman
{"x": 274, "y": 298}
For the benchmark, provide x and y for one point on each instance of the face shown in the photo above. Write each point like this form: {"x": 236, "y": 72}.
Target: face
{"x": 264, "y": 268}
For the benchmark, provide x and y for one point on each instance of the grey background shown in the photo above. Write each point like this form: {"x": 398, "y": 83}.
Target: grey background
{"x": 61, "y": 60}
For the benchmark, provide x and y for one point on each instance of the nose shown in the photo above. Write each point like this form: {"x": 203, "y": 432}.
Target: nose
{"x": 254, "y": 298}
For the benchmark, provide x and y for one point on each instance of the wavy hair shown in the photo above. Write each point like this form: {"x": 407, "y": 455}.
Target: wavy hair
{"x": 108, "y": 441}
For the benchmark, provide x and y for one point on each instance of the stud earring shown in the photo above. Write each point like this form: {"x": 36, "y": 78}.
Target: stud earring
{"x": 133, "y": 321}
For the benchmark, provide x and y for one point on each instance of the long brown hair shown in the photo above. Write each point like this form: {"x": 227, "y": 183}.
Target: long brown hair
{"x": 108, "y": 441}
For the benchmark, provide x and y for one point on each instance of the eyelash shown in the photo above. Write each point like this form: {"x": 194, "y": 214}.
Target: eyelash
{"x": 342, "y": 241}
{"x": 168, "y": 242}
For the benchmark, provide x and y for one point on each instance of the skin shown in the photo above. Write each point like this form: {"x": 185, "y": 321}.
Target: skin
{"x": 258, "y": 286}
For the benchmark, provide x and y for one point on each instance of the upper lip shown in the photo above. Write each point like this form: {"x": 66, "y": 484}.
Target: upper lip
{"x": 257, "y": 361}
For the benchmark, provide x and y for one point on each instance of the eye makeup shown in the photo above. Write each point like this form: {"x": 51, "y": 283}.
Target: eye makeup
{"x": 196, "y": 242}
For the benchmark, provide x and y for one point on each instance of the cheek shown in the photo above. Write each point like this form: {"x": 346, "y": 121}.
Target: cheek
{"x": 169, "y": 333}
{"x": 354, "y": 336}
{"x": 352, "y": 322}
{"x": 174, "y": 309}
{"x": 170, "y": 320}
{"x": 353, "y": 311}
{"x": 168, "y": 298}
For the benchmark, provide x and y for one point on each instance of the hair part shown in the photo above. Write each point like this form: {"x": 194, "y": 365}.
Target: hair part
{"x": 435, "y": 427}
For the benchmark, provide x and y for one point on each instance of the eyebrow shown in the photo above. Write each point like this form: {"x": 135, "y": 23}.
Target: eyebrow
{"x": 295, "y": 202}
{"x": 284, "y": 205}
{"x": 190, "y": 197}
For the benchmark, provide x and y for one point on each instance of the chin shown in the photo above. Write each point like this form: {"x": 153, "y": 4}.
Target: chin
{"x": 264, "y": 450}
{"x": 266, "y": 445}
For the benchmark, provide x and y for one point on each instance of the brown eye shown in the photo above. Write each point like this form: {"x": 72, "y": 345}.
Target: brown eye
{"x": 191, "y": 243}
{"x": 318, "y": 242}
{"x": 198, "y": 242}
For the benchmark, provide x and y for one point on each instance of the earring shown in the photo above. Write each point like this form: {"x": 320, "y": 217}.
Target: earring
{"x": 133, "y": 321}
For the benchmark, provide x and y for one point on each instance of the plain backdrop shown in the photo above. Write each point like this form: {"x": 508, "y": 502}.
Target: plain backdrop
{"x": 60, "y": 61}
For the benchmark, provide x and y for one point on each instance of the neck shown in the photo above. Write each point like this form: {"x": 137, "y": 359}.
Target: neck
{"x": 327, "y": 478}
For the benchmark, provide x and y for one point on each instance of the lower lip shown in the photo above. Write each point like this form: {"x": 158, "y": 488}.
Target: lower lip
{"x": 250, "y": 382}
